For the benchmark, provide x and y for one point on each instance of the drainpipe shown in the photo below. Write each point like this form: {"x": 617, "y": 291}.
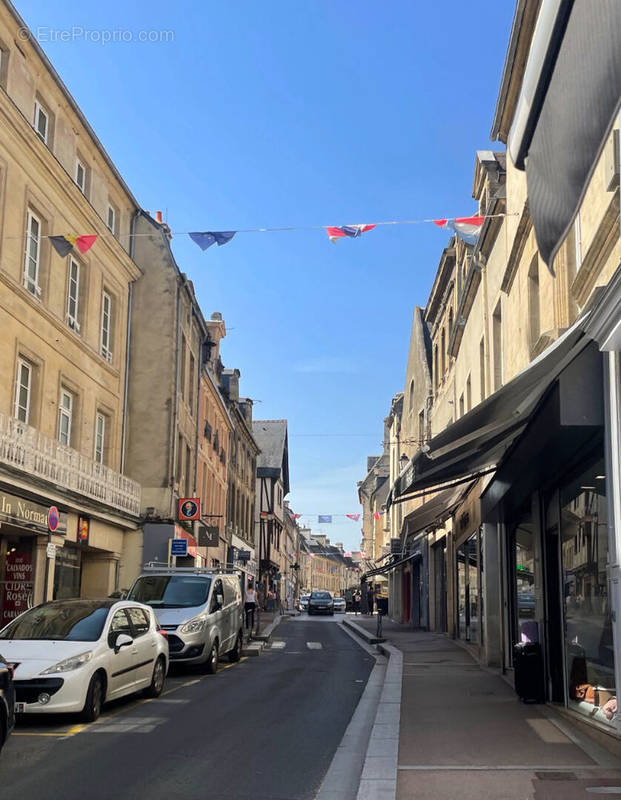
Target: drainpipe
{"x": 130, "y": 295}
{"x": 175, "y": 421}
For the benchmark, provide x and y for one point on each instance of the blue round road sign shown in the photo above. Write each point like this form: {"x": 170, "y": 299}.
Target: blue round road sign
{"x": 53, "y": 518}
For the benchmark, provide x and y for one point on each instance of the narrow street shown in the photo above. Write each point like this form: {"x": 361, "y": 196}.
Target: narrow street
{"x": 265, "y": 728}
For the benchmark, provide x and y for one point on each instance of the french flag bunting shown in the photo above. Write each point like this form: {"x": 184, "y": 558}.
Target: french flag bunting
{"x": 355, "y": 517}
{"x": 468, "y": 228}
{"x": 378, "y": 514}
{"x": 344, "y": 231}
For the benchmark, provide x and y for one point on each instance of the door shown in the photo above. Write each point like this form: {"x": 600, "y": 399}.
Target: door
{"x": 218, "y": 616}
{"x": 121, "y": 673}
{"x": 145, "y": 645}
{"x": 416, "y": 599}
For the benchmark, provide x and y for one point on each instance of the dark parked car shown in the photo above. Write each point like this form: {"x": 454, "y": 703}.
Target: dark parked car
{"x": 7, "y": 700}
{"x": 320, "y": 602}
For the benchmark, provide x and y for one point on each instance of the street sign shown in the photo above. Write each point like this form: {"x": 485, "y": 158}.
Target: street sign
{"x": 51, "y": 550}
{"x": 395, "y": 546}
{"x": 178, "y": 547}
{"x": 189, "y": 508}
{"x": 208, "y": 535}
{"x": 53, "y": 518}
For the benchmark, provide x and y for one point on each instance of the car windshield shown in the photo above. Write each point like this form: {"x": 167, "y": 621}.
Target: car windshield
{"x": 71, "y": 622}
{"x": 321, "y": 596}
{"x": 171, "y": 591}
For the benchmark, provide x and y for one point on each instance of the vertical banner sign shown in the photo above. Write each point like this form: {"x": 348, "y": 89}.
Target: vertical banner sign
{"x": 17, "y": 585}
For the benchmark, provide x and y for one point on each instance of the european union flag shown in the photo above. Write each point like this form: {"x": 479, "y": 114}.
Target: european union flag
{"x": 205, "y": 239}
{"x": 324, "y": 518}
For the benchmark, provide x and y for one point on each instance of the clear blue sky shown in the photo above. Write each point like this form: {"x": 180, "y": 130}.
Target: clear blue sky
{"x": 298, "y": 112}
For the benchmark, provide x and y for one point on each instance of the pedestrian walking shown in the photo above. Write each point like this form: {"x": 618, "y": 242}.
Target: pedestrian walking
{"x": 371, "y": 598}
{"x": 364, "y": 601}
{"x": 250, "y": 603}
{"x": 356, "y": 602}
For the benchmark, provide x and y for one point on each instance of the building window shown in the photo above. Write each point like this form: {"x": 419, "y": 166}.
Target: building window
{"x": 192, "y": 378}
{"x": 65, "y": 417}
{"x": 106, "y": 326}
{"x": 41, "y": 122}
{"x": 100, "y": 437}
{"x": 188, "y": 470}
{"x": 73, "y": 295}
{"x": 33, "y": 254}
{"x": 482, "y": 367}
{"x": 533, "y": 301}
{"x": 421, "y": 427}
{"x": 497, "y": 338}
{"x": 23, "y": 390}
{"x": 443, "y": 352}
{"x": 182, "y": 376}
{"x": 461, "y": 405}
{"x": 111, "y": 222}
{"x": 468, "y": 393}
{"x": 80, "y": 176}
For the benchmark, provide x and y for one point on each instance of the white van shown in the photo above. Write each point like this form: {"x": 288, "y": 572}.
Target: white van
{"x": 199, "y": 608}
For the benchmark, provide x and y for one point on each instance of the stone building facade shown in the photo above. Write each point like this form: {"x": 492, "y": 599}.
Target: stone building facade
{"x": 64, "y": 338}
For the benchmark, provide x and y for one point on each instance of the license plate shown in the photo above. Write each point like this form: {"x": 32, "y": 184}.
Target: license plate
{"x": 20, "y": 708}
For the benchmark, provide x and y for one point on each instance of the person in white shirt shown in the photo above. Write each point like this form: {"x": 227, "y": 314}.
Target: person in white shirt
{"x": 250, "y": 603}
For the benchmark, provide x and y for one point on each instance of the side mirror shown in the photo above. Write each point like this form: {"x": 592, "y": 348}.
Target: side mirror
{"x": 122, "y": 640}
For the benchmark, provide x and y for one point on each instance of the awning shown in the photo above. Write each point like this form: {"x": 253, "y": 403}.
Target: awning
{"x": 392, "y": 565}
{"x": 436, "y": 510}
{"x": 477, "y": 441}
{"x": 571, "y": 94}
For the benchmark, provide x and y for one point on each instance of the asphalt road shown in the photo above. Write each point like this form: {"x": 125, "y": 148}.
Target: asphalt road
{"x": 263, "y": 729}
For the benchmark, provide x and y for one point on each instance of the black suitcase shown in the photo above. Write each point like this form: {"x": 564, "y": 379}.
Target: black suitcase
{"x": 528, "y": 671}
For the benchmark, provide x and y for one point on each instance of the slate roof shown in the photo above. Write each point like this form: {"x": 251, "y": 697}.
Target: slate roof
{"x": 271, "y": 437}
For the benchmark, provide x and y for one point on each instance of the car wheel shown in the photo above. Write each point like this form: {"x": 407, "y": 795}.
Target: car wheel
{"x": 157, "y": 681}
{"x": 211, "y": 665}
{"x": 94, "y": 699}
{"x": 235, "y": 654}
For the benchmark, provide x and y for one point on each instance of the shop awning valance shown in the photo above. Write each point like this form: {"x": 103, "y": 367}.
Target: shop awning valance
{"x": 393, "y": 564}
{"x": 436, "y": 510}
{"x": 570, "y": 97}
{"x": 476, "y": 442}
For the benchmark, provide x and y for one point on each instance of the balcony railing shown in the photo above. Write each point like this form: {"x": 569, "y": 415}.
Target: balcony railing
{"x": 28, "y": 450}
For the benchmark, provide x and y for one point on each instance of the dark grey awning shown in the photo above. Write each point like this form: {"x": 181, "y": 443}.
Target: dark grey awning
{"x": 436, "y": 510}
{"x": 570, "y": 97}
{"x": 478, "y": 440}
{"x": 392, "y": 565}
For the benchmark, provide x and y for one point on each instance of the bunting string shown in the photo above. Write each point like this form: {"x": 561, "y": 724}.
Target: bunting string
{"x": 467, "y": 228}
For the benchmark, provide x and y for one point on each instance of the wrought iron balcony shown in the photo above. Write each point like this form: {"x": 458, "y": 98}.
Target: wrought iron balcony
{"x": 26, "y": 449}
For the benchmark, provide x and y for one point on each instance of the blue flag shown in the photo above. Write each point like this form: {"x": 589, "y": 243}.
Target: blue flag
{"x": 324, "y": 518}
{"x": 205, "y": 239}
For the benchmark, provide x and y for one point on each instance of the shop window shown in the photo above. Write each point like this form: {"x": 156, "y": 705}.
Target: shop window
{"x": 525, "y": 627}
{"x": 589, "y": 650}
{"x": 67, "y": 572}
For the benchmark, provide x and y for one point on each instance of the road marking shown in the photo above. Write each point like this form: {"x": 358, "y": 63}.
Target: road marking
{"x": 497, "y": 768}
{"x": 279, "y": 644}
{"x": 314, "y": 645}
{"x": 33, "y": 733}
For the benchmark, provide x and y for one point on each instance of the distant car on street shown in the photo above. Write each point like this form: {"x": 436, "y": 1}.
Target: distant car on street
{"x": 73, "y": 656}
{"x": 7, "y": 700}
{"x": 320, "y": 602}
{"x": 303, "y": 603}
{"x": 340, "y": 604}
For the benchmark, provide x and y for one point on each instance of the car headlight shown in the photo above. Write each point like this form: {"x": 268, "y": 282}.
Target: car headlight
{"x": 69, "y": 664}
{"x": 193, "y": 625}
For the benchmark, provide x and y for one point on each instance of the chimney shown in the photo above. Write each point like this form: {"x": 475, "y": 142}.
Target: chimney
{"x": 245, "y": 406}
{"x": 160, "y": 221}
{"x": 230, "y": 382}
{"x": 158, "y": 217}
{"x": 216, "y": 330}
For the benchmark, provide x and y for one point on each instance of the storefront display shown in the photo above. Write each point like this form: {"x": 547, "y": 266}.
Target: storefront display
{"x": 17, "y": 585}
{"x": 589, "y": 650}
{"x": 67, "y": 572}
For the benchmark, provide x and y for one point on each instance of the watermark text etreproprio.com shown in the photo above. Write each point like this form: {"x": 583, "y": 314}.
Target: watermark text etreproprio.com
{"x": 46, "y": 33}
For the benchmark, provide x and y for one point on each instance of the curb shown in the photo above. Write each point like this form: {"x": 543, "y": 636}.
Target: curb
{"x": 369, "y": 638}
{"x": 267, "y": 632}
{"x": 378, "y": 780}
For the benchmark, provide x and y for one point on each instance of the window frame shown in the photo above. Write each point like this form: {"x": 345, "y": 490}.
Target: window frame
{"x": 31, "y": 217}
{"x": 79, "y": 164}
{"x": 111, "y": 210}
{"x": 38, "y": 110}
{"x": 21, "y": 364}
{"x": 105, "y": 347}
{"x": 73, "y": 319}
{"x": 99, "y": 450}
{"x": 67, "y": 413}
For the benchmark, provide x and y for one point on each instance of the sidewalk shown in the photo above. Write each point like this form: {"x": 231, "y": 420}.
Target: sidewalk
{"x": 463, "y": 733}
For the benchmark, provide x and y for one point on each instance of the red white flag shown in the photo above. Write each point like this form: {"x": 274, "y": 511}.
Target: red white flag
{"x": 355, "y": 517}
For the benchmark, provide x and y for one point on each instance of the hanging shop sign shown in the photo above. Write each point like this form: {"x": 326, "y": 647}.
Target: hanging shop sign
{"x": 208, "y": 535}
{"x": 26, "y": 514}
{"x": 189, "y": 508}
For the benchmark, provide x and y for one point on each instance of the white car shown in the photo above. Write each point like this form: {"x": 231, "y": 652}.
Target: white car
{"x": 303, "y": 606}
{"x": 340, "y": 604}
{"x": 73, "y": 656}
